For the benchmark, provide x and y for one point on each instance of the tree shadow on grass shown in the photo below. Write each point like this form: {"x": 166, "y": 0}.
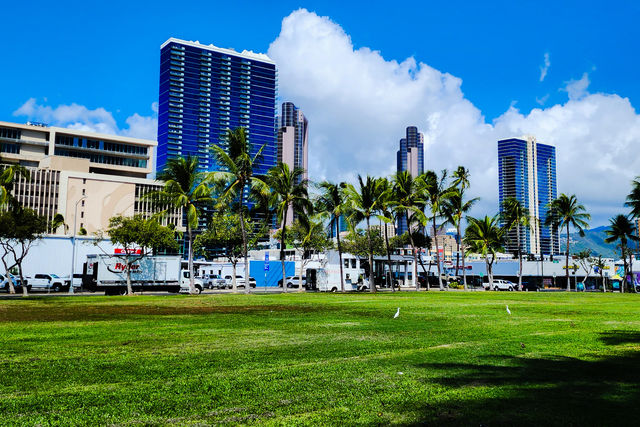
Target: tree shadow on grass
{"x": 518, "y": 390}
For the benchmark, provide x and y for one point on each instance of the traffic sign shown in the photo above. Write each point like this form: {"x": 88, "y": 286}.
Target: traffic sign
{"x": 266, "y": 261}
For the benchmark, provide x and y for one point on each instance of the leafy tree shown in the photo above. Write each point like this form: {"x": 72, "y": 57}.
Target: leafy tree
{"x": 453, "y": 209}
{"x": 437, "y": 191}
{"x": 238, "y": 176}
{"x": 409, "y": 202}
{"x": 288, "y": 191}
{"x": 633, "y": 199}
{"x": 485, "y": 237}
{"x": 515, "y": 215}
{"x": 224, "y": 235}
{"x": 139, "y": 238}
{"x": 20, "y": 228}
{"x": 600, "y": 265}
{"x": 621, "y": 229}
{"x": 566, "y": 212}
{"x": 308, "y": 237}
{"x": 185, "y": 188}
{"x": 332, "y": 204}
{"x": 362, "y": 242}
{"x": 586, "y": 262}
{"x": 363, "y": 204}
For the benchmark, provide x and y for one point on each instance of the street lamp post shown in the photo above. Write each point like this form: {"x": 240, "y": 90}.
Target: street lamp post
{"x": 73, "y": 243}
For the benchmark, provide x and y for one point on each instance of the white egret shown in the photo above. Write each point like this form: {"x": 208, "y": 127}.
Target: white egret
{"x": 395, "y": 316}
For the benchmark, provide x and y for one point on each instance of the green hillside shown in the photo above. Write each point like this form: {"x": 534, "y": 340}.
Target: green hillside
{"x": 593, "y": 240}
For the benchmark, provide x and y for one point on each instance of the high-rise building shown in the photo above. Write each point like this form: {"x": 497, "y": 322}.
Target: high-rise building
{"x": 527, "y": 172}
{"x": 293, "y": 132}
{"x": 410, "y": 157}
{"x": 205, "y": 90}
{"x": 84, "y": 176}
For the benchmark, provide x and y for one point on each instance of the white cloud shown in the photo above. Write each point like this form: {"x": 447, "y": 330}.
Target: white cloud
{"x": 542, "y": 100}
{"x": 578, "y": 88}
{"x": 99, "y": 120}
{"x": 545, "y": 67}
{"x": 358, "y": 104}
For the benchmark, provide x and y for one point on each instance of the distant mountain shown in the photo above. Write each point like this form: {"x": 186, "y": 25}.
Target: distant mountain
{"x": 593, "y": 240}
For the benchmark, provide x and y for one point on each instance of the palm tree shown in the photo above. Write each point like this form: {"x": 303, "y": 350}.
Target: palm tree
{"x": 409, "y": 203}
{"x": 331, "y": 202}
{"x": 187, "y": 189}
{"x": 238, "y": 164}
{"x": 386, "y": 203}
{"x": 485, "y": 237}
{"x": 453, "y": 210}
{"x": 515, "y": 215}
{"x": 622, "y": 229}
{"x": 436, "y": 191}
{"x": 633, "y": 199}
{"x": 363, "y": 204}
{"x": 7, "y": 178}
{"x": 288, "y": 192}
{"x": 565, "y": 212}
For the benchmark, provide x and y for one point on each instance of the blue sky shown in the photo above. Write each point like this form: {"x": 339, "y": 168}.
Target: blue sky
{"x": 106, "y": 58}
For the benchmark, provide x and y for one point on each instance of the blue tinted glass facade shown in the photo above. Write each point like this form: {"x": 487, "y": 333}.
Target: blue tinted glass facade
{"x": 413, "y": 139}
{"x": 547, "y": 192}
{"x": 203, "y": 92}
{"x": 527, "y": 172}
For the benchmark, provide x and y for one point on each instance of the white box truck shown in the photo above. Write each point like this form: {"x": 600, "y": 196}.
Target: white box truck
{"x": 156, "y": 273}
{"x": 324, "y": 275}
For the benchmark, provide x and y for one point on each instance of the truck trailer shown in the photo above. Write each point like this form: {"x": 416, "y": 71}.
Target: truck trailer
{"x": 150, "y": 274}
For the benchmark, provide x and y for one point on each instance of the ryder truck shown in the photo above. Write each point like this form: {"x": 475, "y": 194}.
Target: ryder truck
{"x": 155, "y": 273}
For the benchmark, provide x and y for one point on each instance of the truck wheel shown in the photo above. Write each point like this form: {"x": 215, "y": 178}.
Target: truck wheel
{"x": 56, "y": 287}
{"x": 334, "y": 289}
{"x": 198, "y": 290}
{"x": 122, "y": 291}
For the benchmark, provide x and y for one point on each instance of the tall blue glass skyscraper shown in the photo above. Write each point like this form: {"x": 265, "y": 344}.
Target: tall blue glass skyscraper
{"x": 205, "y": 90}
{"x": 527, "y": 172}
{"x": 410, "y": 157}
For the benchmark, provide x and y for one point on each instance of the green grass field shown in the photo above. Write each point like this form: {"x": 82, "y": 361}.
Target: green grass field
{"x": 308, "y": 359}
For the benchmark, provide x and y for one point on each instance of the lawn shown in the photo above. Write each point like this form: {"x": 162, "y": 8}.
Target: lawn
{"x": 450, "y": 358}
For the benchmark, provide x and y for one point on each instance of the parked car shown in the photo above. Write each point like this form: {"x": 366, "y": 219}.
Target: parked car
{"x": 239, "y": 281}
{"x": 501, "y": 285}
{"x": 293, "y": 281}
{"x": 17, "y": 284}
{"x": 530, "y": 287}
{"x": 48, "y": 282}
{"x": 214, "y": 281}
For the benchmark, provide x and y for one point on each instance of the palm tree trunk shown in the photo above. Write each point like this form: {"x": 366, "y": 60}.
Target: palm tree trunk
{"x": 340, "y": 255}
{"x": 519, "y": 259}
{"x": 282, "y": 237}
{"x": 460, "y": 246}
{"x": 300, "y": 287}
{"x": 415, "y": 258}
{"x": 244, "y": 242}
{"x": 567, "y": 260}
{"x": 372, "y": 281}
{"x": 458, "y": 251}
{"x": 489, "y": 271}
{"x": 192, "y": 287}
{"x": 464, "y": 270}
{"x": 386, "y": 243}
{"x": 435, "y": 238}
{"x": 624, "y": 261}
{"x": 604, "y": 288}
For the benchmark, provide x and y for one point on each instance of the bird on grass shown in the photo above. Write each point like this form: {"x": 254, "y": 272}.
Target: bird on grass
{"x": 522, "y": 345}
{"x": 508, "y": 311}
{"x": 395, "y": 316}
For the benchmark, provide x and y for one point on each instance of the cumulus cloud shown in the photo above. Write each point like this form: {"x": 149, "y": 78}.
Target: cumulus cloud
{"x": 544, "y": 68}
{"x": 75, "y": 116}
{"x": 358, "y": 104}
